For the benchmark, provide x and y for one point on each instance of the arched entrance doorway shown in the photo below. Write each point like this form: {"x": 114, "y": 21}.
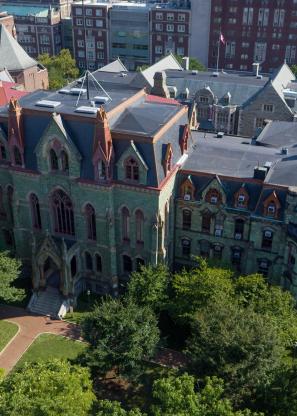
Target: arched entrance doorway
{"x": 51, "y": 273}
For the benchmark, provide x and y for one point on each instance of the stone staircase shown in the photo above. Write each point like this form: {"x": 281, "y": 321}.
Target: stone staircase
{"x": 46, "y": 302}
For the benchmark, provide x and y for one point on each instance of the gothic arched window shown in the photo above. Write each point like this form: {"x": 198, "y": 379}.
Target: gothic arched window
{"x": 3, "y": 154}
{"x": 125, "y": 223}
{"x": 91, "y": 222}
{"x": 17, "y": 156}
{"x": 64, "y": 161}
{"x": 73, "y": 266}
{"x": 88, "y": 261}
{"x": 63, "y": 213}
{"x": 132, "y": 169}
{"x": 98, "y": 262}
{"x": 139, "y": 218}
{"x": 54, "y": 160}
{"x": 127, "y": 263}
{"x": 35, "y": 211}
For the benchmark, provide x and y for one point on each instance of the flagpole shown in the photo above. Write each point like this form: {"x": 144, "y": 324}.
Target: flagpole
{"x": 218, "y": 54}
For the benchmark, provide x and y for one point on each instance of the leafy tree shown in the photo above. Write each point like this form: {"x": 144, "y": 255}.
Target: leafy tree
{"x": 194, "y": 64}
{"x": 61, "y": 68}
{"x": 121, "y": 335}
{"x": 237, "y": 344}
{"x": 176, "y": 396}
{"x": 199, "y": 287}
{"x": 150, "y": 286}
{"x": 9, "y": 272}
{"x": 113, "y": 408}
{"x": 294, "y": 70}
{"x": 47, "y": 389}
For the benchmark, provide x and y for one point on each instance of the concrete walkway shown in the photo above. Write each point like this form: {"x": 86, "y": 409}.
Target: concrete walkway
{"x": 30, "y": 326}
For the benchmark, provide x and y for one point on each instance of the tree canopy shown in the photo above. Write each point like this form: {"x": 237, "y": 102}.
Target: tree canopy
{"x": 121, "y": 335}
{"x": 61, "y": 68}
{"x": 46, "y": 389}
{"x": 194, "y": 64}
{"x": 149, "y": 287}
{"x": 9, "y": 272}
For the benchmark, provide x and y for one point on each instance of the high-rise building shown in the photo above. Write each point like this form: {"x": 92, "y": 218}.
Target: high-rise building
{"x": 254, "y": 31}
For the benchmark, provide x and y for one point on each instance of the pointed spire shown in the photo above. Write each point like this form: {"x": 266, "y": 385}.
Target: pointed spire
{"x": 103, "y": 139}
{"x": 15, "y": 130}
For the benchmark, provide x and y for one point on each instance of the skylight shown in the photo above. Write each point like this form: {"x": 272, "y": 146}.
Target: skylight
{"x": 86, "y": 110}
{"x": 48, "y": 103}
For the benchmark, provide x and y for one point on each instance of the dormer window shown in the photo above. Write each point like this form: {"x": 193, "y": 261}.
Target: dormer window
{"x": 213, "y": 197}
{"x": 241, "y": 201}
{"x": 132, "y": 170}
{"x": 214, "y": 200}
{"x": 203, "y": 99}
{"x": 187, "y": 189}
{"x": 271, "y": 210}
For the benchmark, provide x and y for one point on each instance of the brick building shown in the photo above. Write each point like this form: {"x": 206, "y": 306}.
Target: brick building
{"x": 38, "y": 25}
{"x": 255, "y": 31}
{"x": 22, "y": 68}
{"x": 90, "y": 22}
{"x": 170, "y": 31}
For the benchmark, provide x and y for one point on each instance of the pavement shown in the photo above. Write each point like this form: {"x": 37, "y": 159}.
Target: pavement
{"x": 30, "y": 326}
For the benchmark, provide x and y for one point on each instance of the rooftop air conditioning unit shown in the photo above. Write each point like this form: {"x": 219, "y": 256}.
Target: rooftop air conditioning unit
{"x": 220, "y": 134}
{"x": 194, "y": 72}
{"x": 215, "y": 74}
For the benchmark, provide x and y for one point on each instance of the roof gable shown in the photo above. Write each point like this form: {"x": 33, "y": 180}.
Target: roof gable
{"x": 13, "y": 56}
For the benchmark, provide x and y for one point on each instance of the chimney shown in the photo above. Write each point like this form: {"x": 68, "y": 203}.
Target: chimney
{"x": 185, "y": 63}
{"x": 160, "y": 88}
{"x": 256, "y": 67}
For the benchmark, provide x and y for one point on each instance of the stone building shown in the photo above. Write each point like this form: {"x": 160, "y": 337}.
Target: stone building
{"x": 235, "y": 102}
{"x": 86, "y": 189}
{"x": 100, "y": 177}
{"x": 23, "y": 69}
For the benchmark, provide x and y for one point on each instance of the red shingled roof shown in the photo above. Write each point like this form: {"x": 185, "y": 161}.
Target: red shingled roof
{"x": 7, "y": 91}
{"x": 161, "y": 100}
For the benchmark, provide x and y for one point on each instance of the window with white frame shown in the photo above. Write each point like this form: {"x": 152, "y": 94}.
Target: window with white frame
{"x": 170, "y": 28}
{"x": 158, "y": 49}
{"x": 181, "y": 28}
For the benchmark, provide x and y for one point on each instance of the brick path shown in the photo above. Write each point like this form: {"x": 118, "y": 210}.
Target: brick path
{"x": 30, "y": 326}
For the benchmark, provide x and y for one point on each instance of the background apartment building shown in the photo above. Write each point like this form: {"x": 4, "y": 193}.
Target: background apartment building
{"x": 255, "y": 31}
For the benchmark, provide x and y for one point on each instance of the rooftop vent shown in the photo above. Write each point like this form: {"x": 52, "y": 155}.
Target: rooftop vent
{"x": 64, "y": 91}
{"x": 100, "y": 99}
{"x": 215, "y": 74}
{"x": 259, "y": 76}
{"x": 285, "y": 150}
{"x": 77, "y": 91}
{"x": 260, "y": 172}
{"x": 86, "y": 110}
{"x": 220, "y": 134}
{"x": 194, "y": 72}
{"x": 124, "y": 74}
{"x": 48, "y": 103}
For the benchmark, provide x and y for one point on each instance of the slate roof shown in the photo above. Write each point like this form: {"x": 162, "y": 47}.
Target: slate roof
{"x": 145, "y": 118}
{"x": 278, "y": 134}
{"x": 236, "y": 157}
{"x": 12, "y": 55}
{"x": 241, "y": 86}
{"x": 115, "y": 66}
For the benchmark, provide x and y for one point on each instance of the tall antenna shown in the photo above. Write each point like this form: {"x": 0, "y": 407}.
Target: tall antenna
{"x": 88, "y": 76}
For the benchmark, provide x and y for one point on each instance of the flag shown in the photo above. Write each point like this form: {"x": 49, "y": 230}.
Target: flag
{"x": 222, "y": 39}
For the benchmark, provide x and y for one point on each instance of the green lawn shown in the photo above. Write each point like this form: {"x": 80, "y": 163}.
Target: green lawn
{"x": 85, "y": 304}
{"x": 7, "y": 331}
{"x": 48, "y": 346}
